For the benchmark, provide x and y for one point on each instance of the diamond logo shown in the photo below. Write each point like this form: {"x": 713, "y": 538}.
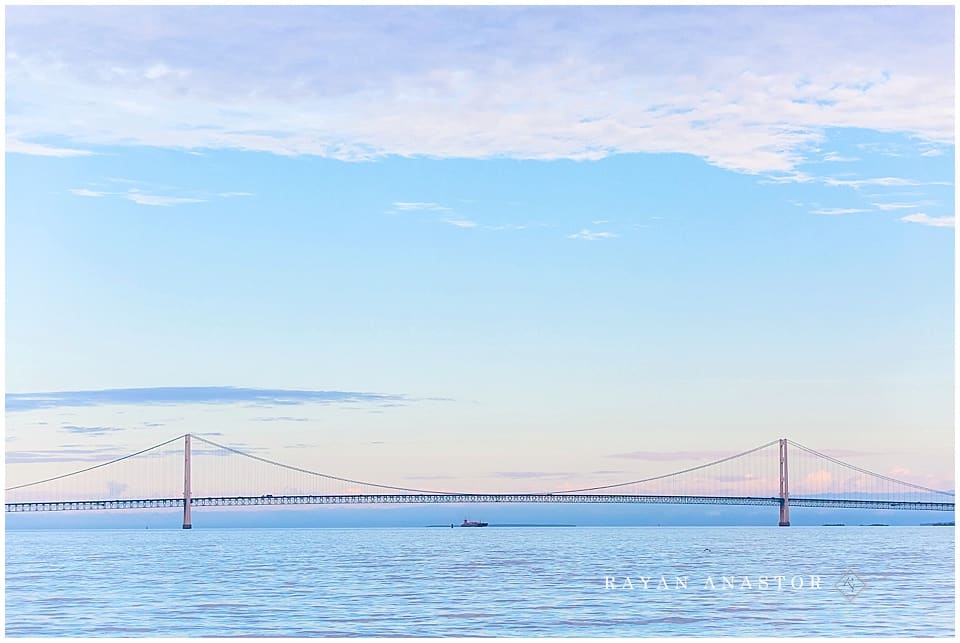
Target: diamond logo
{"x": 850, "y": 585}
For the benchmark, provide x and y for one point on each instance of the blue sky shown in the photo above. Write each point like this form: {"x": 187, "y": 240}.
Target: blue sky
{"x": 468, "y": 242}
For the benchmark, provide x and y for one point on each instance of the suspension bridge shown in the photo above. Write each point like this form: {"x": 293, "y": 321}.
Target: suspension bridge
{"x": 176, "y": 474}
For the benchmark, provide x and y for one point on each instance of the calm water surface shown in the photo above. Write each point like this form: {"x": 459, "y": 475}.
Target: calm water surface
{"x": 479, "y": 582}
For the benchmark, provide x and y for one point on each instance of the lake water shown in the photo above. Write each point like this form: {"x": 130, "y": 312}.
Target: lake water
{"x": 482, "y": 582}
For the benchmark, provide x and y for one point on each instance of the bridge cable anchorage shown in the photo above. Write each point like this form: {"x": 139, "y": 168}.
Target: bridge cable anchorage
{"x": 323, "y": 475}
{"x": 871, "y": 473}
{"x": 668, "y": 475}
{"x": 97, "y": 466}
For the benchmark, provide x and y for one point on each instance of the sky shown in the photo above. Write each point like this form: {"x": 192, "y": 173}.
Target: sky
{"x": 487, "y": 247}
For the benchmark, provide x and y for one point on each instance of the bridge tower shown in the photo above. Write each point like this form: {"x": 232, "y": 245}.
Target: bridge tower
{"x": 784, "y": 486}
{"x": 186, "y": 483}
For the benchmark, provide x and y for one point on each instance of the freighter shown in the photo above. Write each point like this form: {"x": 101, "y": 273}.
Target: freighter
{"x": 472, "y": 523}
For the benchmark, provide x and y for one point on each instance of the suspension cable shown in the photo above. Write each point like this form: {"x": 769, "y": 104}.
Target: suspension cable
{"x": 675, "y": 473}
{"x": 322, "y": 475}
{"x": 872, "y": 473}
{"x": 96, "y": 466}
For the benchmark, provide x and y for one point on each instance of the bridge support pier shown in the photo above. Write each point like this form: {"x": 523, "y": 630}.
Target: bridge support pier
{"x": 784, "y": 486}
{"x": 186, "y": 483}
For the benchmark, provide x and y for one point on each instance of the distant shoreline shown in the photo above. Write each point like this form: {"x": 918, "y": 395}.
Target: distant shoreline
{"x": 511, "y": 525}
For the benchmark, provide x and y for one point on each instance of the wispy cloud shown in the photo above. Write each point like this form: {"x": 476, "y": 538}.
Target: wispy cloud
{"x": 126, "y": 181}
{"x": 90, "y": 430}
{"x": 925, "y": 219}
{"x": 834, "y": 157}
{"x": 281, "y": 418}
{"x": 902, "y": 206}
{"x": 89, "y": 193}
{"x": 153, "y": 196}
{"x": 461, "y": 223}
{"x": 410, "y": 206}
{"x": 587, "y": 235}
{"x": 886, "y": 181}
{"x": 833, "y": 211}
{"x": 161, "y": 76}
{"x": 883, "y": 149}
{"x": 787, "y": 177}
{"x": 452, "y": 218}
{"x": 37, "y": 149}
{"x": 63, "y": 454}
{"x": 187, "y": 395}
{"x": 141, "y": 198}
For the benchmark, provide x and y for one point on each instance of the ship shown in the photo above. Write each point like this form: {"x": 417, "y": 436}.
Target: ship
{"x": 473, "y": 523}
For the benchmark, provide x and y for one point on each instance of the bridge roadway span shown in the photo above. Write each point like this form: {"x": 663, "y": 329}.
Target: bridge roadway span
{"x": 459, "y": 498}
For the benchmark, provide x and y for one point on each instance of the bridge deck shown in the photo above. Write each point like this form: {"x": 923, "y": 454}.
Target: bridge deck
{"x": 534, "y": 498}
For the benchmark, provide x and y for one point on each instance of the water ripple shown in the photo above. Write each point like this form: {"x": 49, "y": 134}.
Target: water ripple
{"x": 493, "y": 582}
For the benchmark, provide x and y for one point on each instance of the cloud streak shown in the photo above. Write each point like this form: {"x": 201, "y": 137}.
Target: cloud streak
{"x": 902, "y": 206}
{"x": 413, "y": 206}
{"x": 926, "y": 219}
{"x": 453, "y": 218}
{"x": 91, "y": 430}
{"x": 176, "y": 395}
{"x": 140, "y": 197}
{"x": 461, "y": 223}
{"x": 836, "y": 211}
{"x": 833, "y": 157}
{"x": 885, "y": 181}
{"x": 38, "y": 149}
{"x": 63, "y": 454}
{"x": 587, "y": 235}
{"x": 88, "y": 193}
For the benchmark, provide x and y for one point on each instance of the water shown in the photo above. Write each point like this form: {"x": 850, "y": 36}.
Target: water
{"x": 478, "y": 582}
